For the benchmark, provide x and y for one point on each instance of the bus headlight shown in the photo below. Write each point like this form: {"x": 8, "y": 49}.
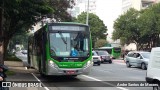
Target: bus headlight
{"x": 88, "y": 63}
{"x": 52, "y": 64}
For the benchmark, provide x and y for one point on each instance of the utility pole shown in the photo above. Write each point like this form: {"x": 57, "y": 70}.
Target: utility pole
{"x": 87, "y": 12}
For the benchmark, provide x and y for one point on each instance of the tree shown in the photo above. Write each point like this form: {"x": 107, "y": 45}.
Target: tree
{"x": 149, "y": 21}
{"x": 97, "y": 26}
{"x": 126, "y": 28}
{"x": 100, "y": 43}
{"x": 140, "y": 27}
{"x": 20, "y": 15}
{"x": 60, "y": 9}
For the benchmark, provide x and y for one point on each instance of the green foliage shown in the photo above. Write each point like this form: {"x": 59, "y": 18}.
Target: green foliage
{"x": 100, "y": 43}
{"x": 60, "y": 9}
{"x": 12, "y": 57}
{"x": 21, "y": 38}
{"x": 97, "y": 26}
{"x": 123, "y": 41}
{"x": 18, "y": 16}
{"x": 126, "y": 26}
{"x": 142, "y": 28}
{"x": 10, "y": 73}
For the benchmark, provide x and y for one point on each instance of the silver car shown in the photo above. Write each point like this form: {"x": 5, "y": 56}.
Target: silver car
{"x": 137, "y": 59}
{"x": 96, "y": 58}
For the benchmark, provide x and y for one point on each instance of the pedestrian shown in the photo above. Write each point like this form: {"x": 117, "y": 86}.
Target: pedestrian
{"x": 123, "y": 54}
{"x": 3, "y": 76}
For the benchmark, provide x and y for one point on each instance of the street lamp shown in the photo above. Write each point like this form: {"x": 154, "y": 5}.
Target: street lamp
{"x": 87, "y": 12}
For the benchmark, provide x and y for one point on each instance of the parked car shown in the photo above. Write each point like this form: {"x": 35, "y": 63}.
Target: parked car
{"x": 96, "y": 58}
{"x": 153, "y": 71}
{"x": 138, "y": 59}
{"x": 24, "y": 52}
{"x": 105, "y": 56}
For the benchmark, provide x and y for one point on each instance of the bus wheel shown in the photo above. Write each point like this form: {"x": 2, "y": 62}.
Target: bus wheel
{"x": 40, "y": 70}
{"x": 28, "y": 67}
{"x": 74, "y": 75}
{"x": 42, "y": 75}
{"x": 156, "y": 87}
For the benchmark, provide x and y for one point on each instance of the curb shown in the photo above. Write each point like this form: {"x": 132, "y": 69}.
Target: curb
{"x": 119, "y": 61}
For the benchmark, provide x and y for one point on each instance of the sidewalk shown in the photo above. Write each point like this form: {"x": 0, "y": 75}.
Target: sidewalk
{"x": 118, "y": 60}
{"x": 20, "y": 74}
{"x": 16, "y": 66}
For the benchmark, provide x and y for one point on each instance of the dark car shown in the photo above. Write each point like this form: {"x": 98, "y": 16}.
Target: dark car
{"x": 105, "y": 56}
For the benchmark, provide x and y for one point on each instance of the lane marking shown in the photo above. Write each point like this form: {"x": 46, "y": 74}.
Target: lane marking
{"x": 104, "y": 82}
{"x": 40, "y": 82}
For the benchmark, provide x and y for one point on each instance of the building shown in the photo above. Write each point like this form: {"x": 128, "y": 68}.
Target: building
{"x": 127, "y": 4}
{"x": 81, "y": 6}
{"x": 146, "y": 3}
{"x": 137, "y": 4}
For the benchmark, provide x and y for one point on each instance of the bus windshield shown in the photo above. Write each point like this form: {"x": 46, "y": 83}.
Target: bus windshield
{"x": 117, "y": 50}
{"x": 69, "y": 44}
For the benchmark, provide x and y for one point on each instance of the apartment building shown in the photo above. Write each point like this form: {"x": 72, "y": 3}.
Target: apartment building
{"x": 81, "y": 6}
{"x": 138, "y": 5}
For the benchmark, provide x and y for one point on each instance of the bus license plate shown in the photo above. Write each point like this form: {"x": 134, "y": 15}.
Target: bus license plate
{"x": 70, "y": 72}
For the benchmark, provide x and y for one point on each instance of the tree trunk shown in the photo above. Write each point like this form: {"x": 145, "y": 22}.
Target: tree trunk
{"x": 2, "y": 53}
{"x": 1, "y": 37}
{"x": 6, "y": 42}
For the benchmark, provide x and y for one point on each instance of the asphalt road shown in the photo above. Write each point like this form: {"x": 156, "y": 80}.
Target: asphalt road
{"x": 104, "y": 77}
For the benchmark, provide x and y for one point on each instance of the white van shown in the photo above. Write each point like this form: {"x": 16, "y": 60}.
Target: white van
{"x": 153, "y": 71}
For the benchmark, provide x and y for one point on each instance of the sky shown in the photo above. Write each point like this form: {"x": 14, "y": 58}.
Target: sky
{"x": 108, "y": 11}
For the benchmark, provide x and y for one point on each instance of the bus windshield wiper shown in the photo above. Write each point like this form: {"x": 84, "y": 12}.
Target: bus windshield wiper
{"x": 62, "y": 37}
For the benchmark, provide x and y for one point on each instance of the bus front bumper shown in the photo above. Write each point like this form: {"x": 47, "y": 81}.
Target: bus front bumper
{"x": 68, "y": 71}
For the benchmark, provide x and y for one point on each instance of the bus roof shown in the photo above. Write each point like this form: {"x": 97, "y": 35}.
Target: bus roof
{"x": 73, "y": 23}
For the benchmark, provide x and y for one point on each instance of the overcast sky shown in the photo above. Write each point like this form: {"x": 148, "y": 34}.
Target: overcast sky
{"x": 108, "y": 11}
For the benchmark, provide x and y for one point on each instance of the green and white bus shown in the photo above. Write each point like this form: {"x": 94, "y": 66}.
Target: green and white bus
{"x": 115, "y": 52}
{"x": 52, "y": 49}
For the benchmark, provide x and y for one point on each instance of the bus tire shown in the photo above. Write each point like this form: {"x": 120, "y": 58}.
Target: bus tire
{"x": 74, "y": 75}
{"x": 40, "y": 70}
{"x": 28, "y": 67}
{"x": 156, "y": 87}
{"x": 42, "y": 75}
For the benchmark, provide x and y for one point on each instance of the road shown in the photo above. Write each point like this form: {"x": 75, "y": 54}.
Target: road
{"x": 102, "y": 77}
